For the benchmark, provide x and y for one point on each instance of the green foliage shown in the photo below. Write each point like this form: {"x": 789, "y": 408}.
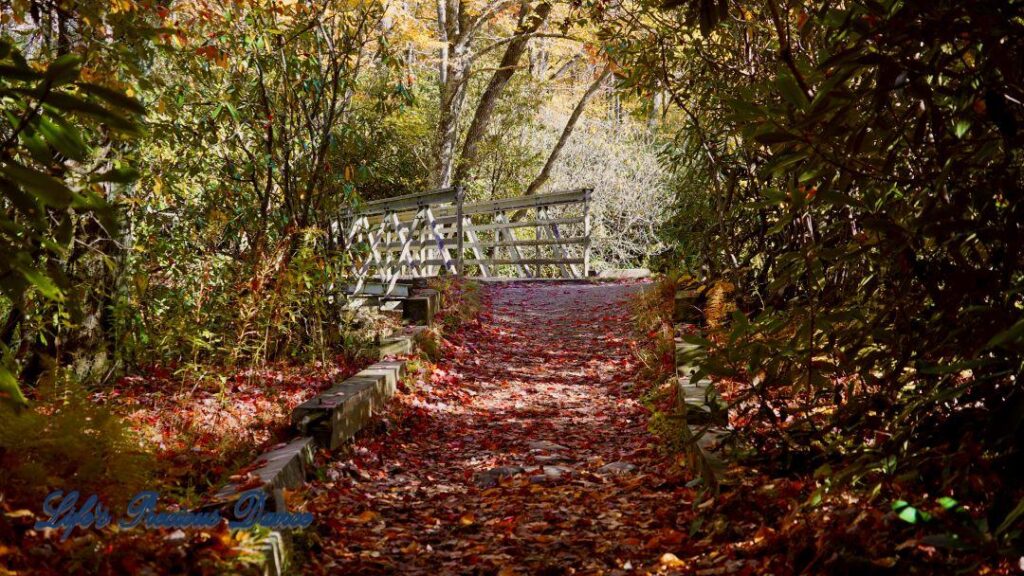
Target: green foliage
{"x": 653, "y": 317}
{"x": 68, "y": 443}
{"x": 854, "y": 171}
{"x": 51, "y": 178}
{"x": 233, "y": 258}
{"x": 510, "y": 157}
{"x": 461, "y": 300}
{"x": 223, "y": 251}
{"x": 428, "y": 342}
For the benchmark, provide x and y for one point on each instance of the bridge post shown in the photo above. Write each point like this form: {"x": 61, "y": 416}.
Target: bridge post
{"x": 586, "y": 231}
{"x": 459, "y": 264}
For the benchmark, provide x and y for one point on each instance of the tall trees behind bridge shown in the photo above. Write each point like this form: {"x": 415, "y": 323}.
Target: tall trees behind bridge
{"x": 171, "y": 170}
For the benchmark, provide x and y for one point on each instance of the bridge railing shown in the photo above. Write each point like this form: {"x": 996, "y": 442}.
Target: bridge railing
{"x": 418, "y": 235}
{"x": 403, "y": 236}
{"x": 544, "y": 235}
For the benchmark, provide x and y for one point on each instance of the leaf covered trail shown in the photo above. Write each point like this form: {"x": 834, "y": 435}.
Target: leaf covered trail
{"x": 524, "y": 453}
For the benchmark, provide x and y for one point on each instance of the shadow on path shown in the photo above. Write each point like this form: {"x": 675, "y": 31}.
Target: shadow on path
{"x": 524, "y": 453}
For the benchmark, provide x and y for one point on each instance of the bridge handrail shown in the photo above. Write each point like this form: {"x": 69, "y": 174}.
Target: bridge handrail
{"x": 408, "y": 202}
{"x": 449, "y": 195}
{"x": 416, "y": 233}
{"x": 524, "y": 202}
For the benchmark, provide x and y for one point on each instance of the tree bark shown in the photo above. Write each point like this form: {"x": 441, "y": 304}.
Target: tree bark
{"x": 456, "y": 31}
{"x": 453, "y": 98}
{"x": 452, "y": 74}
{"x": 529, "y": 22}
{"x": 570, "y": 125}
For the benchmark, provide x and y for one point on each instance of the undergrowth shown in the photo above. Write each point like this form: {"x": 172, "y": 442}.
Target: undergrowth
{"x": 888, "y": 519}
{"x": 652, "y": 312}
{"x": 461, "y": 300}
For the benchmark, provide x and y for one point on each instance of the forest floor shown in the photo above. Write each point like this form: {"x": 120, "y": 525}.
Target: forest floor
{"x": 525, "y": 452}
{"x": 541, "y": 442}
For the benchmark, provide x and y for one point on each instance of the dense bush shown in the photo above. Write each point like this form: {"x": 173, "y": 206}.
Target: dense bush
{"x": 75, "y": 445}
{"x": 852, "y": 173}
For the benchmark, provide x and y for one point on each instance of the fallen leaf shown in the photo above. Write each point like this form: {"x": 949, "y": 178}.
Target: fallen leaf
{"x": 670, "y": 560}
{"x": 366, "y": 517}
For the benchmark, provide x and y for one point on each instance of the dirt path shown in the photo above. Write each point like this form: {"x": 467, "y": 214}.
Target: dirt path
{"x": 526, "y": 453}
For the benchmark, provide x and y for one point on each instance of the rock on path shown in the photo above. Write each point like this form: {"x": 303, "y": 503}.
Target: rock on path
{"x": 525, "y": 453}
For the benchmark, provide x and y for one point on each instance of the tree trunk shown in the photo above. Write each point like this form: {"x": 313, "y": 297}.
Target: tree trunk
{"x": 570, "y": 125}
{"x": 453, "y": 76}
{"x": 528, "y": 25}
{"x": 453, "y": 98}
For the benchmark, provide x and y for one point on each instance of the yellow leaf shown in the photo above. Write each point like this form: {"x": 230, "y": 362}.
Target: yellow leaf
{"x": 23, "y": 513}
{"x": 671, "y": 560}
{"x": 412, "y": 548}
{"x": 368, "y": 516}
{"x": 467, "y": 520}
{"x": 117, "y": 6}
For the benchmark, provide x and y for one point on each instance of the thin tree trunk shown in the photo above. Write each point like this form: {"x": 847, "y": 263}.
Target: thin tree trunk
{"x": 453, "y": 98}
{"x": 564, "y": 68}
{"x": 452, "y": 87}
{"x": 570, "y": 125}
{"x": 529, "y": 23}
{"x": 442, "y": 32}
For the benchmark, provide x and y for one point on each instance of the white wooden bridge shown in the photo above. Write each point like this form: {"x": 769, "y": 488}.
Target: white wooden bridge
{"x": 433, "y": 233}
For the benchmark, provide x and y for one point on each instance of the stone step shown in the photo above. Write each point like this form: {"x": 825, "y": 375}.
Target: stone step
{"x": 326, "y": 421}
{"x": 394, "y": 309}
{"x": 706, "y": 414}
{"x": 336, "y": 415}
{"x": 703, "y": 404}
{"x": 418, "y": 282}
{"x": 398, "y": 345}
{"x": 379, "y": 289}
{"x": 421, "y": 306}
{"x": 705, "y": 453}
{"x": 700, "y": 416}
{"x": 688, "y": 306}
{"x": 686, "y": 356}
{"x": 358, "y": 302}
{"x": 701, "y": 392}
